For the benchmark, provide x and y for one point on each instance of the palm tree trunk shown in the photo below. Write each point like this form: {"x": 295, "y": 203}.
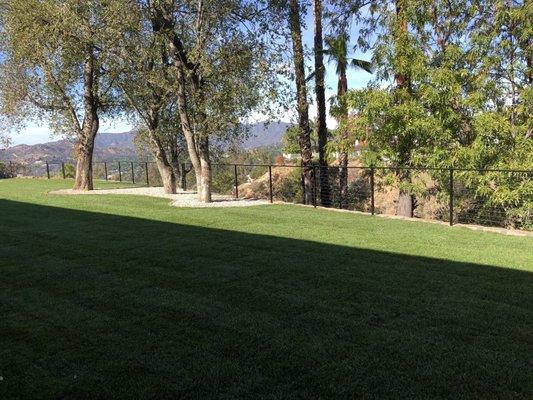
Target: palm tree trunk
{"x": 303, "y": 105}
{"x": 342, "y": 88}
{"x": 322, "y": 129}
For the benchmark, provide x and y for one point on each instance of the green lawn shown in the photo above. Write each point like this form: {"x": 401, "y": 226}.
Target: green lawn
{"x": 125, "y": 297}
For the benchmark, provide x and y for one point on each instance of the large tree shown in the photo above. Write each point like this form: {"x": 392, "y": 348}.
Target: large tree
{"x": 55, "y": 67}
{"x": 146, "y": 82}
{"x": 223, "y": 69}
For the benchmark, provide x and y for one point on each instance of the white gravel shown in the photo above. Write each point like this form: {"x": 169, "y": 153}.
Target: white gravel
{"x": 180, "y": 199}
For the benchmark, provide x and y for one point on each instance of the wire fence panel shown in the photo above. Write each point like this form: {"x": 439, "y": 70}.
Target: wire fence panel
{"x": 492, "y": 197}
{"x": 253, "y": 181}
{"x": 355, "y": 189}
{"x": 222, "y": 178}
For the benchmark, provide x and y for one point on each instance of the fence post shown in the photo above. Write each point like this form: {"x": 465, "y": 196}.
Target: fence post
{"x": 132, "y": 173}
{"x": 47, "y": 170}
{"x": 119, "y": 173}
{"x": 451, "y": 196}
{"x": 63, "y": 170}
{"x": 236, "y": 181}
{"x": 105, "y": 170}
{"x": 146, "y": 171}
{"x": 372, "y": 198}
{"x": 11, "y": 173}
{"x": 315, "y": 188}
{"x": 270, "y": 183}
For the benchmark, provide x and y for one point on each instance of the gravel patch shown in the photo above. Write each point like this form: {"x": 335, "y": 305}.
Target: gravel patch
{"x": 180, "y": 199}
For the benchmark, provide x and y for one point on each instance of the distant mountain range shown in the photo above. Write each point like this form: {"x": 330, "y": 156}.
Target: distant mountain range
{"x": 120, "y": 146}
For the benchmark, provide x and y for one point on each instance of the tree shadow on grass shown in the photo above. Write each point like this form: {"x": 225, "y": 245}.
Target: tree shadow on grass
{"x": 104, "y": 306}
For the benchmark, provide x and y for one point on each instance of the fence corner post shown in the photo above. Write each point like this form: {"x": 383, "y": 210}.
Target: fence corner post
{"x": 119, "y": 173}
{"x": 372, "y": 190}
{"x": 132, "y": 173}
{"x": 451, "y": 196}
{"x": 47, "y": 170}
{"x": 270, "y": 183}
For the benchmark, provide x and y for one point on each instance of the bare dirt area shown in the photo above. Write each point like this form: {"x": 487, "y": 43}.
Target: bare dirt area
{"x": 180, "y": 199}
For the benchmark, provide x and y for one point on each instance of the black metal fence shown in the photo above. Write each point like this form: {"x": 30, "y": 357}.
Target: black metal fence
{"x": 492, "y": 197}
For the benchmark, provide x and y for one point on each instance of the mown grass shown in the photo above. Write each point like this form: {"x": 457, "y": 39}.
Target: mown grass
{"x": 126, "y": 297}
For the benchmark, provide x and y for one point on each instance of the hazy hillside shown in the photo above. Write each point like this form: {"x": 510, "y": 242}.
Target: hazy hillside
{"x": 119, "y": 146}
{"x": 265, "y": 134}
{"x": 108, "y": 146}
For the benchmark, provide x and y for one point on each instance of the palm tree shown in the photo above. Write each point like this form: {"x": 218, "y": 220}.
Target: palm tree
{"x": 337, "y": 51}
{"x": 322, "y": 129}
{"x": 295, "y": 27}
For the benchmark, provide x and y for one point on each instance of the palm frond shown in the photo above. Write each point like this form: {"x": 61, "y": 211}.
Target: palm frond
{"x": 363, "y": 64}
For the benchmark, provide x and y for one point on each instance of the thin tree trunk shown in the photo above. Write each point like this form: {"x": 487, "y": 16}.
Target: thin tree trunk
{"x": 343, "y": 179}
{"x": 187, "y": 127}
{"x": 204, "y": 193}
{"x": 405, "y": 204}
{"x": 322, "y": 129}
{"x": 303, "y": 106}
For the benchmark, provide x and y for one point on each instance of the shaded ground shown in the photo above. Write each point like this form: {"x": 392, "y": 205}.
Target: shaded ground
{"x": 125, "y": 297}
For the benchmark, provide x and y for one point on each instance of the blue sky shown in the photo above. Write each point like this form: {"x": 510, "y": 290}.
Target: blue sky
{"x": 34, "y": 133}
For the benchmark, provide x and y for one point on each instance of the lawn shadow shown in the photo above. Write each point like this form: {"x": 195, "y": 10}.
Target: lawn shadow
{"x": 105, "y": 306}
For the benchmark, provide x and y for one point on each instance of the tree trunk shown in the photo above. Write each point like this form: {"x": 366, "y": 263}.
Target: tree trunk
{"x": 178, "y": 173}
{"x": 166, "y": 172}
{"x": 204, "y": 192}
{"x": 162, "y": 23}
{"x": 167, "y": 176}
{"x": 342, "y": 88}
{"x": 343, "y": 179}
{"x": 162, "y": 158}
{"x": 406, "y": 200}
{"x": 405, "y": 204}
{"x": 187, "y": 127}
{"x": 89, "y": 128}
{"x": 303, "y": 106}
{"x": 322, "y": 129}
{"x": 181, "y": 171}
{"x": 84, "y": 166}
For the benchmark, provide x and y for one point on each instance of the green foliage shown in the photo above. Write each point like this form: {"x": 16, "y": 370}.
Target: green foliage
{"x": 290, "y": 188}
{"x": 45, "y": 47}
{"x": 453, "y": 88}
{"x": 290, "y": 139}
